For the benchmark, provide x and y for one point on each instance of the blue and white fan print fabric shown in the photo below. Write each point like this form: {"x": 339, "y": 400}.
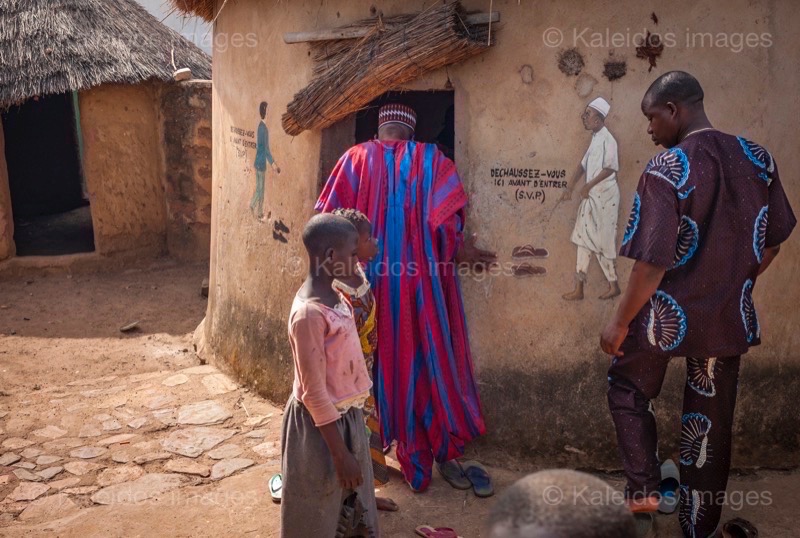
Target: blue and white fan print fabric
{"x": 671, "y": 165}
{"x": 691, "y": 512}
{"x": 694, "y": 439}
{"x": 760, "y": 233}
{"x": 666, "y": 322}
{"x": 700, "y": 375}
{"x": 760, "y": 157}
{"x": 748, "y": 309}
{"x": 633, "y": 219}
{"x": 688, "y": 240}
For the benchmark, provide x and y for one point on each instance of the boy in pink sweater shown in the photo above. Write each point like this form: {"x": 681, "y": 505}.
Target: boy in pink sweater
{"x": 327, "y": 471}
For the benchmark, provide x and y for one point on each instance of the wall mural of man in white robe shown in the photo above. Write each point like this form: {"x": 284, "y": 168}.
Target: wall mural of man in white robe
{"x": 595, "y": 230}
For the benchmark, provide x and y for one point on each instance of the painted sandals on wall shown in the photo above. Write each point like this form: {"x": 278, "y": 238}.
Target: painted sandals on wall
{"x": 526, "y": 268}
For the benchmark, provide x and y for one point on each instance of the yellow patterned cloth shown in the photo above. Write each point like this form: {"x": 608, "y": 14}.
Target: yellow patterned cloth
{"x": 365, "y": 310}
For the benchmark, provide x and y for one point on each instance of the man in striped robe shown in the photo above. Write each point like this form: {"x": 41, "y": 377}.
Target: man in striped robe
{"x": 424, "y": 381}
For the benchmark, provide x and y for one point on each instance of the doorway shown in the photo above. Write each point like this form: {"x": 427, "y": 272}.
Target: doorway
{"x": 435, "y": 117}
{"x": 435, "y": 124}
{"x": 43, "y": 156}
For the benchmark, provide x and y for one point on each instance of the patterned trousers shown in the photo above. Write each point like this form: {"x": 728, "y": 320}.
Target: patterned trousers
{"x": 709, "y": 399}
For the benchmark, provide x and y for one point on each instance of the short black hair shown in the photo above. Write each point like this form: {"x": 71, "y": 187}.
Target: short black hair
{"x": 354, "y": 216}
{"x": 527, "y": 509}
{"x": 262, "y": 108}
{"x": 326, "y": 231}
{"x": 676, "y": 87}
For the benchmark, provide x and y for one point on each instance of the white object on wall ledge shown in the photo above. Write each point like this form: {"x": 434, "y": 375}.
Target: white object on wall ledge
{"x": 182, "y": 74}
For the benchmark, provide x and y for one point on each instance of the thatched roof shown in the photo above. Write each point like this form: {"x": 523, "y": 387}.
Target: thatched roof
{"x": 56, "y": 46}
{"x": 350, "y": 73}
{"x": 201, "y": 8}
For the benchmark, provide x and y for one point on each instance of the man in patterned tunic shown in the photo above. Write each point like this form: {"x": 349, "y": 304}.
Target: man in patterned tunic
{"x": 708, "y": 217}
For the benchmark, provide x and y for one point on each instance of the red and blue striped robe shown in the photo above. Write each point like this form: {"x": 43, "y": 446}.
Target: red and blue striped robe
{"x": 424, "y": 383}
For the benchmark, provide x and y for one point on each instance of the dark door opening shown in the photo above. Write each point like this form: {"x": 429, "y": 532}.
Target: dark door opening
{"x": 435, "y": 117}
{"x": 435, "y": 124}
{"x": 51, "y": 213}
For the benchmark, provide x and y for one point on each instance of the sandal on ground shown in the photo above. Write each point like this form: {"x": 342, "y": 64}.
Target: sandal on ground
{"x": 389, "y": 506}
{"x": 453, "y": 473}
{"x": 670, "y": 482}
{"x": 739, "y": 528}
{"x": 426, "y": 531}
{"x": 276, "y": 488}
{"x": 645, "y": 522}
{"x": 479, "y": 477}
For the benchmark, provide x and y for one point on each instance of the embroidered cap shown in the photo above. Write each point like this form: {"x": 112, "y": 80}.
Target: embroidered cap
{"x": 397, "y": 113}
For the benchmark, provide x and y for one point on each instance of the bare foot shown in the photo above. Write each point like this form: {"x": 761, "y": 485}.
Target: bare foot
{"x": 613, "y": 291}
{"x": 576, "y": 295}
{"x": 386, "y": 505}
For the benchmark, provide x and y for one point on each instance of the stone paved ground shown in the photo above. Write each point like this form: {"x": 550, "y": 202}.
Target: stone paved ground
{"x": 111, "y": 434}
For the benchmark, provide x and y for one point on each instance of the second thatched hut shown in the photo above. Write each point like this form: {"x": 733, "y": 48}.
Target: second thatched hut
{"x": 103, "y": 151}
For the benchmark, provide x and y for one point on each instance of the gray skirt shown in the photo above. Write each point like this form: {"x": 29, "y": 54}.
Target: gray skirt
{"x": 312, "y": 498}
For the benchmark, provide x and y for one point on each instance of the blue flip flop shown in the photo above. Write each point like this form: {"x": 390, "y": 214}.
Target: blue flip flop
{"x": 479, "y": 478}
{"x": 453, "y": 473}
{"x": 668, "y": 488}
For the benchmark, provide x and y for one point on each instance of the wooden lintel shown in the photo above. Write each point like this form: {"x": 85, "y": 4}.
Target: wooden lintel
{"x": 355, "y": 33}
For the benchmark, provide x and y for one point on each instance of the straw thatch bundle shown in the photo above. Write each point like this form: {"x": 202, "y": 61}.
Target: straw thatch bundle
{"x": 201, "y": 8}
{"x": 327, "y": 54}
{"x": 397, "y": 50}
{"x": 56, "y": 46}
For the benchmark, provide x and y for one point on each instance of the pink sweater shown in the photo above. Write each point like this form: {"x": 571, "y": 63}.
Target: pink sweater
{"x": 329, "y": 365}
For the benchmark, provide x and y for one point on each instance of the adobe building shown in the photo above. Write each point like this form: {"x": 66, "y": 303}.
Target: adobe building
{"x": 510, "y": 113}
{"x": 104, "y": 154}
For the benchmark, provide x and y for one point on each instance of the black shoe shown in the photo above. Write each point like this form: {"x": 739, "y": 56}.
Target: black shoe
{"x": 740, "y": 528}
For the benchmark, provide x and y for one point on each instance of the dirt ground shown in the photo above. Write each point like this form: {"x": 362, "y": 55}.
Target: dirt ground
{"x": 104, "y": 416}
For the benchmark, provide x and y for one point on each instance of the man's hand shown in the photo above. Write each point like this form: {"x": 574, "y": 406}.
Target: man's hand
{"x": 276, "y": 168}
{"x": 585, "y": 190}
{"x": 473, "y": 256}
{"x": 612, "y": 338}
{"x": 347, "y": 470}
{"x": 644, "y": 281}
{"x": 567, "y": 196}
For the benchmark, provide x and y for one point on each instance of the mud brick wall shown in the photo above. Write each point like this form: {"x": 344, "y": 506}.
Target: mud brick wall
{"x": 517, "y": 107}
{"x": 6, "y": 221}
{"x": 123, "y": 167}
{"x": 186, "y": 142}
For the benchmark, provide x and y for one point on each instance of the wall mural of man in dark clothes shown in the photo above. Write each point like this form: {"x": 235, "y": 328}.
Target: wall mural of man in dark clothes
{"x": 263, "y": 156}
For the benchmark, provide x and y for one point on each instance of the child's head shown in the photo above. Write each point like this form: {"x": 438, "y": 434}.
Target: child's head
{"x": 332, "y": 245}
{"x": 560, "y": 504}
{"x": 367, "y": 245}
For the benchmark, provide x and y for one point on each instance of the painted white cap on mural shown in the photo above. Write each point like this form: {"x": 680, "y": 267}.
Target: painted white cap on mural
{"x": 600, "y": 105}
